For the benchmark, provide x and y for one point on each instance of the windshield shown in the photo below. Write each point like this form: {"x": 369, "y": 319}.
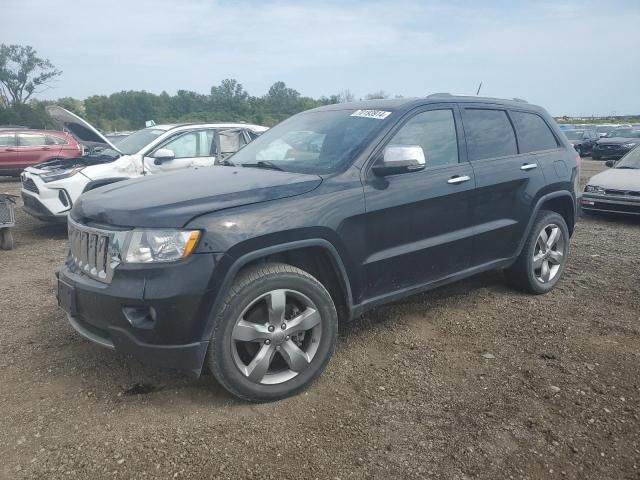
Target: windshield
{"x": 314, "y": 142}
{"x": 574, "y": 134}
{"x": 138, "y": 140}
{"x": 630, "y": 160}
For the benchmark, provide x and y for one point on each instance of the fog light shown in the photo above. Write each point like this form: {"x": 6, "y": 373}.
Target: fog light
{"x": 140, "y": 317}
{"x": 64, "y": 200}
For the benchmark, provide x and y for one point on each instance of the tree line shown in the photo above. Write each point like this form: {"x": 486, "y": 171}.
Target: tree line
{"x": 23, "y": 73}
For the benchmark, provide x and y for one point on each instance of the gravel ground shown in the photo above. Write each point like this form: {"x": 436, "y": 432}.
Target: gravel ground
{"x": 472, "y": 380}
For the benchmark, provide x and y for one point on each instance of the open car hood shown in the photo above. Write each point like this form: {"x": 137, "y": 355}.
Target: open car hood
{"x": 80, "y": 128}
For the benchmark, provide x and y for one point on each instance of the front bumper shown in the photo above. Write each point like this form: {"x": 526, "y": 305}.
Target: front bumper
{"x": 34, "y": 207}
{"x": 157, "y": 314}
{"x": 626, "y": 205}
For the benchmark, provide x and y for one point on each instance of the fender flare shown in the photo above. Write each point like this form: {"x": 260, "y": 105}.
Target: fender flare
{"x": 242, "y": 261}
{"x": 102, "y": 182}
{"x": 538, "y": 207}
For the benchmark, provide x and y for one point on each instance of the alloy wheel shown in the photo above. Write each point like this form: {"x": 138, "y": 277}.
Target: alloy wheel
{"x": 549, "y": 253}
{"x": 276, "y": 336}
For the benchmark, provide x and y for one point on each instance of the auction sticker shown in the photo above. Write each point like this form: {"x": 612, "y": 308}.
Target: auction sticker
{"x": 377, "y": 114}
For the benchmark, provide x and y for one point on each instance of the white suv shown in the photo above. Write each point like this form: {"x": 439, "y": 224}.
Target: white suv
{"x": 50, "y": 189}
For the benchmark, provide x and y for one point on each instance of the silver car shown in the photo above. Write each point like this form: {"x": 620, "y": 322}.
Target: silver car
{"x": 616, "y": 190}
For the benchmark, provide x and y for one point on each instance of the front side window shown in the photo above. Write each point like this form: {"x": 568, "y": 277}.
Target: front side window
{"x": 31, "y": 140}
{"x": 315, "y": 142}
{"x": 191, "y": 144}
{"x": 435, "y": 132}
{"x": 534, "y": 134}
{"x": 489, "y": 134}
{"x": 138, "y": 140}
{"x": 7, "y": 140}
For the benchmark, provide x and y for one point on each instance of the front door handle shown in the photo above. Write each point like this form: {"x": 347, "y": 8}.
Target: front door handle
{"x": 459, "y": 179}
{"x": 529, "y": 166}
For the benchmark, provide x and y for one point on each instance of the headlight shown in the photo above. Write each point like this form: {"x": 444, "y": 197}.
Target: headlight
{"x": 59, "y": 175}
{"x": 629, "y": 145}
{"x": 594, "y": 189}
{"x": 150, "y": 246}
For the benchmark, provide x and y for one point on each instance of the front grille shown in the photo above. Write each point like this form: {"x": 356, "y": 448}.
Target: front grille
{"x": 93, "y": 251}
{"x": 614, "y": 207}
{"x": 610, "y": 147}
{"x": 622, "y": 193}
{"x": 29, "y": 184}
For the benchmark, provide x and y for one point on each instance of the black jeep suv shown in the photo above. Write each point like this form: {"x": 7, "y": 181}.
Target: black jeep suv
{"x": 247, "y": 268}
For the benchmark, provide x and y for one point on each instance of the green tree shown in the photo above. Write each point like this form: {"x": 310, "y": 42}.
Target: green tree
{"x": 230, "y": 98}
{"x": 23, "y": 73}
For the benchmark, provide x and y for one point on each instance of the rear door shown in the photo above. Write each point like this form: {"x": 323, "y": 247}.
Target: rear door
{"x": 8, "y": 152}
{"x": 33, "y": 148}
{"x": 506, "y": 182}
{"x": 418, "y": 225}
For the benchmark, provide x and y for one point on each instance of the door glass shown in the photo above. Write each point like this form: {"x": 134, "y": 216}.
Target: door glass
{"x": 435, "y": 132}
{"x": 489, "y": 134}
{"x": 205, "y": 141}
{"x": 51, "y": 140}
{"x": 31, "y": 140}
{"x": 185, "y": 146}
{"x": 7, "y": 140}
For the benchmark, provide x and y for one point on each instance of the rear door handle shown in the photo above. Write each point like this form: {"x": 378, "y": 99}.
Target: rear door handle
{"x": 459, "y": 179}
{"x": 529, "y": 166}
{"x": 10, "y": 150}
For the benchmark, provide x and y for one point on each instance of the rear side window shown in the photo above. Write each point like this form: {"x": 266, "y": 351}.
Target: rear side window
{"x": 31, "y": 140}
{"x": 489, "y": 134}
{"x": 51, "y": 140}
{"x": 533, "y": 133}
{"x": 435, "y": 132}
{"x": 7, "y": 140}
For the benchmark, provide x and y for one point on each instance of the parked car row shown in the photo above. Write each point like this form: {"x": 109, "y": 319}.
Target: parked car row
{"x": 612, "y": 145}
{"x": 51, "y": 188}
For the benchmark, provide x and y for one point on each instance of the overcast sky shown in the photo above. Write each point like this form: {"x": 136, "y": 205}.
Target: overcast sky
{"x": 573, "y": 57}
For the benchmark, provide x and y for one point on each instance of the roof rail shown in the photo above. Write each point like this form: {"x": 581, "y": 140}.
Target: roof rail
{"x": 441, "y": 94}
{"x": 516, "y": 99}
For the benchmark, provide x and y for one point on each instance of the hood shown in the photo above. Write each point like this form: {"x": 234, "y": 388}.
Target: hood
{"x": 618, "y": 140}
{"x": 617, "y": 179}
{"x": 172, "y": 199}
{"x": 81, "y": 129}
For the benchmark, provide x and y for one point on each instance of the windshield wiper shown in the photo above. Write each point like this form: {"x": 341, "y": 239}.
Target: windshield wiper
{"x": 263, "y": 164}
{"x": 629, "y": 168}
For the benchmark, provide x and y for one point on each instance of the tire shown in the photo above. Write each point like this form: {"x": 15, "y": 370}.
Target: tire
{"x": 241, "y": 333}
{"x": 6, "y": 239}
{"x": 526, "y": 276}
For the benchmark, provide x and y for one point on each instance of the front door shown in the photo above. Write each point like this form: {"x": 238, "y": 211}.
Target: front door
{"x": 419, "y": 225}
{"x": 191, "y": 149}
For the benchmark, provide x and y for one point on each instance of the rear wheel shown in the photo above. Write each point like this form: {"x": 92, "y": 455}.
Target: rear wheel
{"x": 275, "y": 334}
{"x": 544, "y": 255}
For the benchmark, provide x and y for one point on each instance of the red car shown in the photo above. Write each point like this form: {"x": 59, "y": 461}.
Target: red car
{"x": 20, "y": 149}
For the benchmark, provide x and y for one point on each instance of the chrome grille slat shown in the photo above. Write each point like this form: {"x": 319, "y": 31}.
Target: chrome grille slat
{"x": 94, "y": 252}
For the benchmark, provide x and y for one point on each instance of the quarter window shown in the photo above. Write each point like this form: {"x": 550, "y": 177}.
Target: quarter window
{"x": 51, "y": 140}
{"x": 534, "y": 134}
{"x": 435, "y": 132}
{"x": 489, "y": 134}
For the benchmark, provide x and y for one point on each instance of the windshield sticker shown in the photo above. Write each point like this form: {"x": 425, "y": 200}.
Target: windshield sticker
{"x": 377, "y": 114}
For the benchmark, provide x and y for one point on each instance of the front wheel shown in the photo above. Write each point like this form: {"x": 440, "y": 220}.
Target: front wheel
{"x": 544, "y": 255}
{"x": 274, "y": 335}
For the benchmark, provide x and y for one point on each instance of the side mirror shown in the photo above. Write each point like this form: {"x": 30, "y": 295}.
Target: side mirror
{"x": 163, "y": 155}
{"x": 400, "y": 159}
{"x": 610, "y": 163}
